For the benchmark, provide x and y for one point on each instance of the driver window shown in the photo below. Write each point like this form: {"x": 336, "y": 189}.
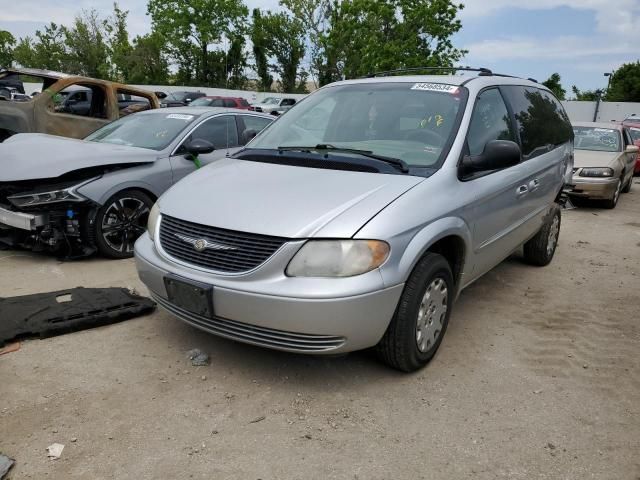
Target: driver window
{"x": 490, "y": 121}
{"x": 220, "y": 131}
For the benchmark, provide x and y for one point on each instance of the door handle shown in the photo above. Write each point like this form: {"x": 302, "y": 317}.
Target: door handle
{"x": 522, "y": 189}
{"x": 534, "y": 184}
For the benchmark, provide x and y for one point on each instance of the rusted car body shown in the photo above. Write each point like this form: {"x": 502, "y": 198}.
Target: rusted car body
{"x": 43, "y": 114}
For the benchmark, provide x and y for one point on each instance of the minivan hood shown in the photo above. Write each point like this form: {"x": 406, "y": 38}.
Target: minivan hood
{"x": 33, "y": 155}
{"x": 589, "y": 158}
{"x": 280, "y": 200}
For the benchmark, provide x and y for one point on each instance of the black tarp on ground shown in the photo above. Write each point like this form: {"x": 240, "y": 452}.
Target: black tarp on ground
{"x": 64, "y": 311}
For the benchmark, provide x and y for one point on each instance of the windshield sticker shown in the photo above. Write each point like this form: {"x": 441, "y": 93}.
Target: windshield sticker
{"x": 435, "y": 87}
{"x": 179, "y": 116}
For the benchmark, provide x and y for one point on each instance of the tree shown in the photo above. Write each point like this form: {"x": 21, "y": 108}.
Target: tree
{"x": 553, "y": 84}
{"x": 357, "y": 37}
{"x": 191, "y": 26}
{"x": 260, "y": 54}
{"x": 118, "y": 39}
{"x": 87, "y": 49}
{"x": 585, "y": 96}
{"x": 46, "y": 51}
{"x": 236, "y": 62}
{"x": 625, "y": 84}
{"x": 7, "y": 42}
{"x": 146, "y": 63}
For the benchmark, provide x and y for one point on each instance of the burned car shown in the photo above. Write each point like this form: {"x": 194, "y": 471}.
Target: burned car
{"x": 69, "y": 106}
{"x": 96, "y": 194}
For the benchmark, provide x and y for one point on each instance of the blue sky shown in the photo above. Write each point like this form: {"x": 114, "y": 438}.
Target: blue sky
{"x": 580, "y": 39}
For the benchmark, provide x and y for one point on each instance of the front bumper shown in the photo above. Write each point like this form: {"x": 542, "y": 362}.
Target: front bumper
{"x": 284, "y": 321}
{"x": 22, "y": 221}
{"x": 596, "y": 188}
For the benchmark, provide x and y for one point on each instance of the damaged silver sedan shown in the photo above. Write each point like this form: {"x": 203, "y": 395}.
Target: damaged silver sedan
{"x": 76, "y": 197}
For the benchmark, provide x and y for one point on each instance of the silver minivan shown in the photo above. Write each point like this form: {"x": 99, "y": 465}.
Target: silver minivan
{"x": 356, "y": 219}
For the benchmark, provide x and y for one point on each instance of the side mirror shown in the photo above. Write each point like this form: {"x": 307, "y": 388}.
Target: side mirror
{"x": 198, "y": 146}
{"x": 632, "y": 149}
{"x": 497, "y": 154}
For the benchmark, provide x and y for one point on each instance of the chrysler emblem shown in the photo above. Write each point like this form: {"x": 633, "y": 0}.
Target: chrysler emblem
{"x": 202, "y": 244}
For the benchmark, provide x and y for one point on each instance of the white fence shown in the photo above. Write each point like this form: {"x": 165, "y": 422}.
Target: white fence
{"x": 607, "y": 111}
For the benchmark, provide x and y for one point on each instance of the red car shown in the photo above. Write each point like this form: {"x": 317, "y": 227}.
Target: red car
{"x": 632, "y": 126}
{"x": 227, "y": 102}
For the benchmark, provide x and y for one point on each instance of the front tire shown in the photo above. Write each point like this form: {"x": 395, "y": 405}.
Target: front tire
{"x": 422, "y": 316}
{"x": 541, "y": 248}
{"x": 627, "y": 186}
{"x": 120, "y": 221}
{"x": 613, "y": 201}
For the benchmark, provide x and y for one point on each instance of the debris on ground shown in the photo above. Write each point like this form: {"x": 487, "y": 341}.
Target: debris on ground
{"x": 55, "y": 450}
{"x": 12, "y": 347}
{"x": 258, "y": 419}
{"x": 64, "y": 311}
{"x": 5, "y": 465}
{"x": 198, "y": 358}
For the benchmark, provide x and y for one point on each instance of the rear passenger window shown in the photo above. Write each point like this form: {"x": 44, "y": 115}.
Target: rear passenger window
{"x": 490, "y": 121}
{"x": 229, "y": 103}
{"x": 541, "y": 120}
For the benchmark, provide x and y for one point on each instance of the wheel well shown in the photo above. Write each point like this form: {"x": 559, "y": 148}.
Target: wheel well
{"x": 148, "y": 193}
{"x": 452, "y": 248}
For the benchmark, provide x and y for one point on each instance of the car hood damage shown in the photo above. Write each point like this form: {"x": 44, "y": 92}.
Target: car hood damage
{"x": 31, "y": 156}
{"x": 283, "y": 201}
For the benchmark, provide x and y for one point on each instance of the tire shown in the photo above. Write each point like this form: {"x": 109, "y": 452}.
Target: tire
{"x": 627, "y": 186}
{"x": 120, "y": 221}
{"x": 613, "y": 201}
{"x": 399, "y": 347}
{"x": 540, "y": 249}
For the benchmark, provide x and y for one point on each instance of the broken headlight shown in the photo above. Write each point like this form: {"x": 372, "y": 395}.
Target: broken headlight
{"x": 596, "y": 172}
{"x": 47, "y": 197}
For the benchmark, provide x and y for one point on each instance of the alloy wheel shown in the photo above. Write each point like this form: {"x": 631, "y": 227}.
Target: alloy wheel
{"x": 123, "y": 222}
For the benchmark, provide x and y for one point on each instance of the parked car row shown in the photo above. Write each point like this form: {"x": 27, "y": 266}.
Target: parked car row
{"x": 353, "y": 221}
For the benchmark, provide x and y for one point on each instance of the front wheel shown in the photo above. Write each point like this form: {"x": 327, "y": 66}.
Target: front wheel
{"x": 541, "y": 248}
{"x": 120, "y": 221}
{"x": 627, "y": 186}
{"x": 613, "y": 201}
{"x": 422, "y": 316}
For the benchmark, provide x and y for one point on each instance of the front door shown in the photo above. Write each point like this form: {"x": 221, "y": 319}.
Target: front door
{"x": 221, "y": 131}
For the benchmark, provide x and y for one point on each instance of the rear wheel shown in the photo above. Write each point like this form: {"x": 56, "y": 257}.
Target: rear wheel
{"x": 422, "y": 315}
{"x": 120, "y": 221}
{"x": 541, "y": 248}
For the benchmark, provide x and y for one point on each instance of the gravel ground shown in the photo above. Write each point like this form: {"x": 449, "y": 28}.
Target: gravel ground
{"x": 538, "y": 377}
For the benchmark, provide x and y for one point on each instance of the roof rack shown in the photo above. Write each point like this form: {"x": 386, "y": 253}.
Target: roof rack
{"x": 483, "y": 71}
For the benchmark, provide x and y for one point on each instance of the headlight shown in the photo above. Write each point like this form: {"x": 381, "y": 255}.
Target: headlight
{"x": 596, "y": 172}
{"x": 45, "y": 198}
{"x": 337, "y": 258}
{"x": 152, "y": 222}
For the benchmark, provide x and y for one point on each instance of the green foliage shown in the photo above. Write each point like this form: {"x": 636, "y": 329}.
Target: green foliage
{"x": 87, "y": 51}
{"x": 47, "y": 50}
{"x": 119, "y": 45}
{"x": 260, "y": 51}
{"x": 191, "y": 26}
{"x": 357, "y": 37}
{"x": 625, "y": 84}
{"x": 553, "y": 84}
{"x": 7, "y": 42}
{"x": 146, "y": 63}
{"x": 586, "y": 95}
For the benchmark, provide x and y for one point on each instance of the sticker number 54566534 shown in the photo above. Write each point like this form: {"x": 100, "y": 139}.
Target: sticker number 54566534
{"x": 435, "y": 87}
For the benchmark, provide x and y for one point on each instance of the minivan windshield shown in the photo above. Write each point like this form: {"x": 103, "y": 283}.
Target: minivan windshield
{"x": 154, "y": 131}
{"x": 408, "y": 121}
{"x": 597, "y": 139}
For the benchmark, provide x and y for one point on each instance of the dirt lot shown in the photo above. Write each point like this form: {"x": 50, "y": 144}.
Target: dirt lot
{"x": 538, "y": 377}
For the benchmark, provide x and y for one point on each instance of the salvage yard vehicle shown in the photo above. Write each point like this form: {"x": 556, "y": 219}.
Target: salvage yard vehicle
{"x": 227, "y": 102}
{"x": 361, "y": 227}
{"x": 274, "y": 105}
{"x": 180, "y": 99}
{"x": 42, "y": 113}
{"x": 633, "y": 129}
{"x": 605, "y": 160}
{"x": 74, "y": 197}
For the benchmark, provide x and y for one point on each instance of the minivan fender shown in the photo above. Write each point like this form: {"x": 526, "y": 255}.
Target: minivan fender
{"x": 427, "y": 237}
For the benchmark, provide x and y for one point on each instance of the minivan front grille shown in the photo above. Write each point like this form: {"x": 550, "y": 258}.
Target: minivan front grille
{"x": 216, "y": 249}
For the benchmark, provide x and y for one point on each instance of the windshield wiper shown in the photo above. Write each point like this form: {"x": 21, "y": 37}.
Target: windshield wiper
{"x": 396, "y": 162}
